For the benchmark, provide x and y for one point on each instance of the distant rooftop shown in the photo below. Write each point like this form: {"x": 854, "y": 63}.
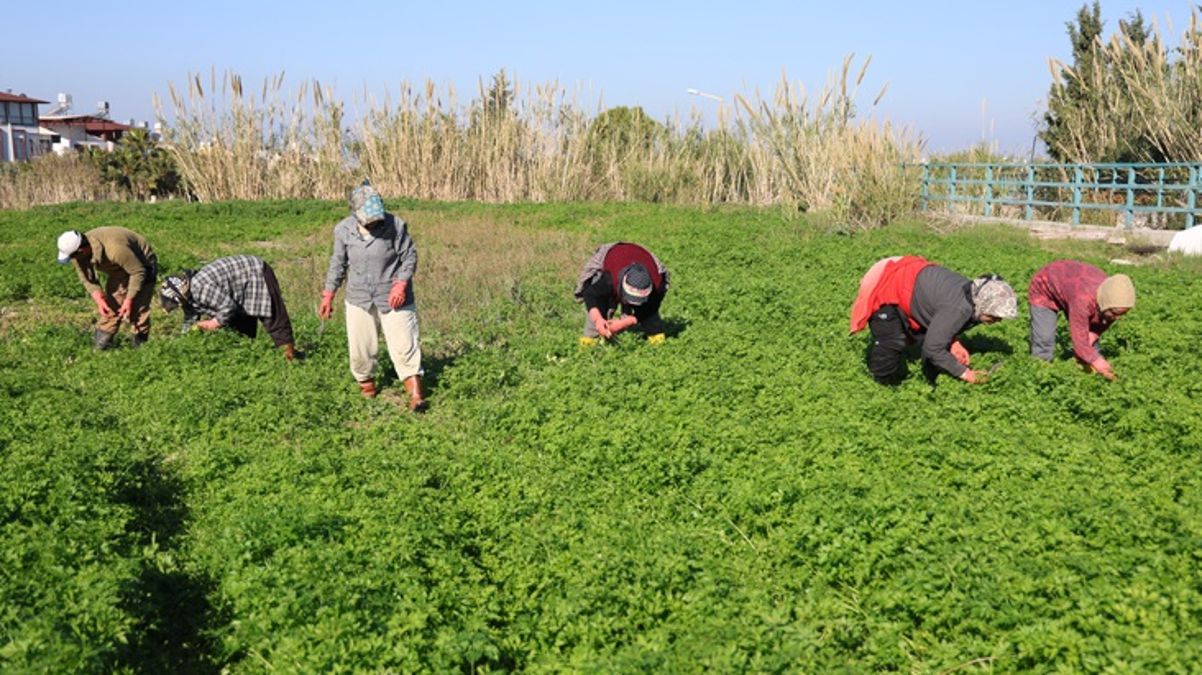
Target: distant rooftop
{"x": 9, "y": 97}
{"x": 91, "y": 123}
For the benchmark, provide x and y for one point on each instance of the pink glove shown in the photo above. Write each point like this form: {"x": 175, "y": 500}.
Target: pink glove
{"x": 1093, "y": 339}
{"x": 102, "y": 304}
{"x": 619, "y": 325}
{"x": 327, "y": 305}
{"x": 600, "y": 323}
{"x": 1102, "y": 367}
{"x": 211, "y": 324}
{"x": 126, "y": 308}
{"x": 396, "y": 296}
{"x": 959, "y": 352}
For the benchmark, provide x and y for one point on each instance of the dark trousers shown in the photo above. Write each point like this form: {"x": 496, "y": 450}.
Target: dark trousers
{"x": 278, "y": 325}
{"x": 890, "y": 337}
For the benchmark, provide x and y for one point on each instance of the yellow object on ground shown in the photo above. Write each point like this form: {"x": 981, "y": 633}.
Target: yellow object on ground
{"x": 657, "y": 339}
{"x": 586, "y": 341}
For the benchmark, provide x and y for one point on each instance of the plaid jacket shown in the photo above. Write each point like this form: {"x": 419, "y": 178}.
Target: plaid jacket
{"x": 230, "y": 286}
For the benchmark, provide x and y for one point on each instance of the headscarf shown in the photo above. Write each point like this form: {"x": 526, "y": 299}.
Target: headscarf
{"x": 176, "y": 291}
{"x": 993, "y": 296}
{"x": 366, "y": 205}
{"x": 1116, "y": 291}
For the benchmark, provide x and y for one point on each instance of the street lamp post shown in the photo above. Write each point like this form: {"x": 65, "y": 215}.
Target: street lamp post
{"x": 703, "y": 94}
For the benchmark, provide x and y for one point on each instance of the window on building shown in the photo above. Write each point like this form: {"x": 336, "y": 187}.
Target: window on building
{"x": 4, "y": 113}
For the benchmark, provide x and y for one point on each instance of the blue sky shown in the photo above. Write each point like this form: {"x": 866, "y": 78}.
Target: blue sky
{"x": 943, "y": 60}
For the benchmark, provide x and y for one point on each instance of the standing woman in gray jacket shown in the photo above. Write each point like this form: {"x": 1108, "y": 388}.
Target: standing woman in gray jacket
{"x": 374, "y": 247}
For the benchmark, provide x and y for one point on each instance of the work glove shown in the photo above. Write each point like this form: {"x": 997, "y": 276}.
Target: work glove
{"x": 210, "y": 324}
{"x": 396, "y": 296}
{"x": 102, "y": 304}
{"x": 126, "y": 308}
{"x": 975, "y": 376}
{"x": 959, "y": 352}
{"x": 618, "y": 325}
{"x": 600, "y": 323}
{"x": 1102, "y": 367}
{"x": 327, "y": 305}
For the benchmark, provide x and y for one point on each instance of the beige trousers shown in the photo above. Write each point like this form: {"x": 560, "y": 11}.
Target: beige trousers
{"x": 400, "y": 333}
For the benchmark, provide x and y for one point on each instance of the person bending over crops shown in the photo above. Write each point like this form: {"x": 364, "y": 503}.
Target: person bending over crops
{"x": 625, "y": 275}
{"x": 236, "y": 292}
{"x": 376, "y": 248}
{"x": 909, "y": 299}
{"x": 1092, "y": 302}
{"x": 130, "y": 265}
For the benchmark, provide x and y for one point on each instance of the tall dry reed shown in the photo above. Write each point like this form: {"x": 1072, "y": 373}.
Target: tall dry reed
{"x": 52, "y": 179}
{"x": 1144, "y": 91}
{"x": 512, "y": 142}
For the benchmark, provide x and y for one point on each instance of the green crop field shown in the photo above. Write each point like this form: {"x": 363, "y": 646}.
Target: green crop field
{"x": 740, "y": 498}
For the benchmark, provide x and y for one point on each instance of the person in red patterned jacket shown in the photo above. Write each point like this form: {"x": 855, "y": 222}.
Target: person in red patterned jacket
{"x": 621, "y": 274}
{"x": 1090, "y": 300}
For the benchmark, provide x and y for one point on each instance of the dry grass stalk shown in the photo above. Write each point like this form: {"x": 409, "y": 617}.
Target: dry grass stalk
{"x": 52, "y": 180}
{"x": 1141, "y": 93}
{"x": 537, "y": 144}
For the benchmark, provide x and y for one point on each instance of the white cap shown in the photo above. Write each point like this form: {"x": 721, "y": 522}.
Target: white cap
{"x": 68, "y": 244}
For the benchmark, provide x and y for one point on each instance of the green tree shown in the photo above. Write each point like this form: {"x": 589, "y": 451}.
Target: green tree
{"x": 1084, "y": 35}
{"x": 139, "y": 166}
{"x": 1093, "y": 111}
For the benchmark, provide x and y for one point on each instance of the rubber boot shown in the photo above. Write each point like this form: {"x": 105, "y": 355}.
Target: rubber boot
{"x": 367, "y": 388}
{"x": 138, "y": 339}
{"x": 102, "y": 340}
{"x": 417, "y": 402}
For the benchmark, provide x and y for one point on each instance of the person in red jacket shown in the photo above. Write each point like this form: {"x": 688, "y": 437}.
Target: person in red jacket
{"x": 621, "y": 274}
{"x": 1090, "y": 300}
{"x": 908, "y": 299}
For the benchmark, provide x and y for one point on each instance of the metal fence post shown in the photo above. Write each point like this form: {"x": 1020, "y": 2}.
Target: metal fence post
{"x": 1160, "y": 188}
{"x": 926, "y": 188}
{"x": 988, "y": 194}
{"x": 951, "y": 191}
{"x": 1191, "y": 196}
{"x": 1078, "y": 178}
{"x": 1130, "y": 197}
{"x": 1029, "y": 207}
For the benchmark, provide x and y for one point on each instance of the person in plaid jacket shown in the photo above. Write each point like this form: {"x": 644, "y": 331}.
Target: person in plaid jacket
{"x": 236, "y": 292}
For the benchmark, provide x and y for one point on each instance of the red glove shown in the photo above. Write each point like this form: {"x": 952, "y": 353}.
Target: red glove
{"x": 126, "y": 308}
{"x": 327, "y": 305}
{"x": 1102, "y": 367}
{"x": 102, "y": 304}
{"x": 959, "y": 352}
{"x": 600, "y": 323}
{"x": 396, "y": 296}
{"x": 618, "y": 325}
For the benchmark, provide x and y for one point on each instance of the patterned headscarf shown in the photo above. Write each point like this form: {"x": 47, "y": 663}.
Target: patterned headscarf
{"x": 993, "y": 296}
{"x": 175, "y": 291}
{"x": 366, "y": 204}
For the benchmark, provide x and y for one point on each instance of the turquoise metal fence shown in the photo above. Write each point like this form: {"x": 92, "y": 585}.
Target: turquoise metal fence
{"x": 1050, "y": 191}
